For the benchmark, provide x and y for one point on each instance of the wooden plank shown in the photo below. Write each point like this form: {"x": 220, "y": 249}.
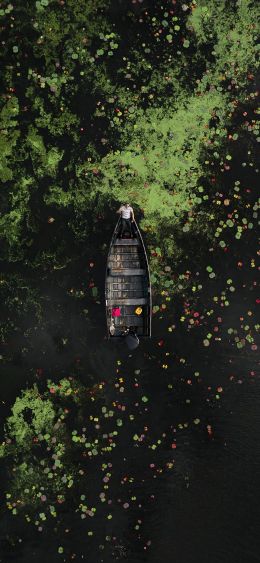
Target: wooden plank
{"x": 129, "y": 322}
{"x": 126, "y": 265}
{"x": 126, "y": 301}
{"x": 128, "y": 272}
{"x": 127, "y": 241}
{"x": 126, "y": 281}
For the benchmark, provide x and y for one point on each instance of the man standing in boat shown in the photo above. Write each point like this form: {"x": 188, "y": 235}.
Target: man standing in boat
{"x": 127, "y": 218}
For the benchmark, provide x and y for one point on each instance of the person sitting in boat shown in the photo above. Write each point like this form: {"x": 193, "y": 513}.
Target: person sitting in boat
{"x": 112, "y": 328}
{"x": 127, "y": 218}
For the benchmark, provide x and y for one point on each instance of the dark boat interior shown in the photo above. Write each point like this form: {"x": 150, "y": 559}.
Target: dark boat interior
{"x": 127, "y": 286}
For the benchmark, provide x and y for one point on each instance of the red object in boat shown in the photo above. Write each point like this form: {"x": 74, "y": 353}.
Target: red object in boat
{"x": 116, "y": 312}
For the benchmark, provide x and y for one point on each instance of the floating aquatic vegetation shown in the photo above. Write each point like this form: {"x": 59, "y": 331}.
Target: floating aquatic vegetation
{"x": 164, "y": 114}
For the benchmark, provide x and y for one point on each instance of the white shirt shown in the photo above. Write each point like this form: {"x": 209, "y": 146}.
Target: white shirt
{"x": 126, "y": 211}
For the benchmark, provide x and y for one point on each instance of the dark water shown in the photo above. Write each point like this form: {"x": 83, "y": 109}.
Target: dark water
{"x": 207, "y": 508}
{"x": 217, "y": 518}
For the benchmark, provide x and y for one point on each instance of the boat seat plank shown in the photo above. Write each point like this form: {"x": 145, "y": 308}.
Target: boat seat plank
{"x": 126, "y": 301}
{"x": 125, "y": 281}
{"x": 127, "y": 241}
{"x": 127, "y": 272}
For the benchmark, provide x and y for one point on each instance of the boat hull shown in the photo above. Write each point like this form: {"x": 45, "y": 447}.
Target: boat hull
{"x": 127, "y": 286}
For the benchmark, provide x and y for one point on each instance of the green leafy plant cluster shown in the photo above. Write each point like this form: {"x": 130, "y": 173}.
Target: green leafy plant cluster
{"x": 47, "y": 446}
{"x": 38, "y": 446}
{"x": 93, "y": 115}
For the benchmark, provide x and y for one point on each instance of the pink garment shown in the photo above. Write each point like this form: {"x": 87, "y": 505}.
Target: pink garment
{"x": 116, "y": 312}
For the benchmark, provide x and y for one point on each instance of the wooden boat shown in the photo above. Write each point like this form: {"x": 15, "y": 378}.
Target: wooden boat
{"x": 127, "y": 286}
